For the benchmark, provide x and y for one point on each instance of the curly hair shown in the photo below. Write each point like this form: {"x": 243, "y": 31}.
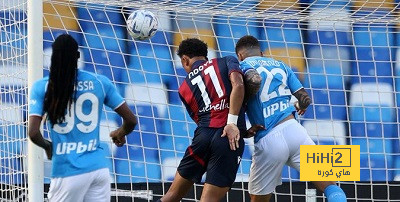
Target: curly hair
{"x": 248, "y": 42}
{"x": 62, "y": 79}
{"x": 192, "y": 47}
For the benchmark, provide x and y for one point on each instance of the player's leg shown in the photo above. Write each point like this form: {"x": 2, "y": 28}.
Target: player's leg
{"x": 72, "y": 188}
{"x": 100, "y": 189}
{"x": 212, "y": 193}
{"x": 332, "y": 192}
{"x": 295, "y": 136}
{"x": 260, "y": 198}
{"x": 180, "y": 186}
{"x": 222, "y": 167}
{"x": 191, "y": 168}
{"x": 270, "y": 155}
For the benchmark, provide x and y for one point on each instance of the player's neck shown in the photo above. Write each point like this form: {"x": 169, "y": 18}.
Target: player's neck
{"x": 194, "y": 60}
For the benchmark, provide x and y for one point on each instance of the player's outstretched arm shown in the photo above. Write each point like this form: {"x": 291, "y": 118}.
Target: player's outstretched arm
{"x": 36, "y": 136}
{"x": 303, "y": 101}
{"x": 252, "y": 80}
{"x": 129, "y": 123}
{"x": 235, "y": 104}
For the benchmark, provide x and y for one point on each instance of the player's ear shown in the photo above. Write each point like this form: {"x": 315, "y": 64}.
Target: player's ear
{"x": 240, "y": 56}
{"x": 185, "y": 60}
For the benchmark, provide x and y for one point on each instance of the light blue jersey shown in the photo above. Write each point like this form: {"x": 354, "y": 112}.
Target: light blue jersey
{"x": 76, "y": 141}
{"x": 271, "y": 104}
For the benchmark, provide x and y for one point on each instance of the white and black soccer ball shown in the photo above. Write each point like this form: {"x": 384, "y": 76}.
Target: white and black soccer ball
{"x": 142, "y": 24}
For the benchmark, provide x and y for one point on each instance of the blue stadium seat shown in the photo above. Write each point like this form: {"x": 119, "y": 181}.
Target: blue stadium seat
{"x": 227, "y": 30}
{"x": 155, "y": 59}
{"x": 362, "y": 129}
{"x": 328, "y": 77}
{"x": 327, "y": 105}
{"x": 11, "y": 169}
{"x": 329, "y": 37}
{"x": 105, "y": 39}
{"x": 281, "y": 34}
{"x": 133, "y": 172}
{"x": 13, "y": 40}
{"x": 13, "y": 17}
{"x": 373, "y": 52}
{"x": 91, "y": 18}
{"x": 373, "y": 34}
{"x": 373, "y": 145}
{"x": 373, "y": 63}
{"x": 326, "y": 132}
{"x": 137, "y": 152}
{"x": 371, "y": 114}
{"x": 290, "y": 174}
{"x": 376, "y": 167}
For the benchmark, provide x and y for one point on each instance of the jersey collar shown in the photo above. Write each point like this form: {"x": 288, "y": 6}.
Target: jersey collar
{"x": 198, "y": 63}
{"x": 252, "y": 57}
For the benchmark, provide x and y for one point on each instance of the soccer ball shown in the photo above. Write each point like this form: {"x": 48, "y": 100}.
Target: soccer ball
{"x": 142, "y": 24}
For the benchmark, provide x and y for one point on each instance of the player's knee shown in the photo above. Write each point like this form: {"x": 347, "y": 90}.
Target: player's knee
{"x": 335, "y": 194}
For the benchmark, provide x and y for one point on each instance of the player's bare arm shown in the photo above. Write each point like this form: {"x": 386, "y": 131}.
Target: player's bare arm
{"x": 129, "y": 123}
{"x": 303, "y": 101}
{"x": 236, "y": 101}
{"x": 36, "y": 136}
{"x": 253, "y": 130}
{"x": 252, "y": 83}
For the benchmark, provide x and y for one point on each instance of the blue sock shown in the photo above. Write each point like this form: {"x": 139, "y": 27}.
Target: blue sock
{"x": 335, "y": 194}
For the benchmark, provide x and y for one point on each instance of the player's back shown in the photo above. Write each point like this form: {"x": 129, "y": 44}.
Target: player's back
{"x": 76, "y": 141}
{"x": 272, "y": 102}
{"x": 206, "y": 92}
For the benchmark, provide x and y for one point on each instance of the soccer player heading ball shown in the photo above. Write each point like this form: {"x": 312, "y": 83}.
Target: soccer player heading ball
{"x": 279, "y": 143}
{"x": 72, "y": 102}
{"x": 213, "y": 93}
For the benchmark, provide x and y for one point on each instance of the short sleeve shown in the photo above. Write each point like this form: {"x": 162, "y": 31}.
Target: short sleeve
{"x": 112, "y": 97}
{"x": 244, "y": 66}
{"x": 36, "y": 98}
{"x": 233, "y": 65}
{"x": 293, "y": 82}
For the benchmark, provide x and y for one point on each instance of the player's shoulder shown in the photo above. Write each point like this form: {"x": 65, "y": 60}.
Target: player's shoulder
{"x": 86, "y": 75}
{"x": 229, "y": 58}
{"x": 41, "y": 83}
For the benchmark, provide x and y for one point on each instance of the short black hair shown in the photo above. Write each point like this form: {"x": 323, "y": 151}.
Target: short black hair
{"x": 192, "y": 47}
{"x": 247, "y": 41}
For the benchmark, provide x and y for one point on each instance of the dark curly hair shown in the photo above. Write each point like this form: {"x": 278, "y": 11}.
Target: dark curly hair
{"x": 248, "y": 42}
{"x": 192, "y": 47}
{"x": 63, "y": 71}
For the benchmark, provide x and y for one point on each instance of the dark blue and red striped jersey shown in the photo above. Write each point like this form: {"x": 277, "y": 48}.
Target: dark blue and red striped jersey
{"x": 206, "y": 91}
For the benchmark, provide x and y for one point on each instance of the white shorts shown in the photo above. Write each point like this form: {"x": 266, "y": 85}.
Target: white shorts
{"x": 93, "y": 186}
{"x": 279, "y": 147}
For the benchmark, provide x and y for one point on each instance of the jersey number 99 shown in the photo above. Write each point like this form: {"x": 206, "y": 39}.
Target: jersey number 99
{"x": 88, "y": 121}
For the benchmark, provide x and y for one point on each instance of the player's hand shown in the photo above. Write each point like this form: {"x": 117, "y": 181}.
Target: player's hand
{"x": 253, "y": 130}
{"x": 233, "y": 134}
{"x": 49, "y": 149}
{"x": 118, "y": 137}
{"x": 299, "y": 111}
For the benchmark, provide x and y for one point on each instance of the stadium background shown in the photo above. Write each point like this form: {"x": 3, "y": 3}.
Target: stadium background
{"x": 349, "y": 68}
